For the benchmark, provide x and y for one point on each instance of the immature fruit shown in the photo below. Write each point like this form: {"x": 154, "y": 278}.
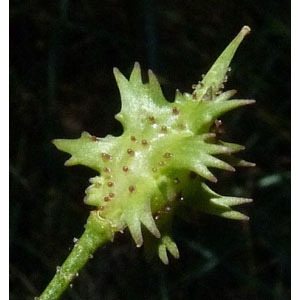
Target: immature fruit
{"x": 164, "y": 156}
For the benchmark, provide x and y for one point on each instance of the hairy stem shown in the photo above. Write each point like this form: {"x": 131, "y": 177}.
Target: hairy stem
{"x": 97, "y": 232}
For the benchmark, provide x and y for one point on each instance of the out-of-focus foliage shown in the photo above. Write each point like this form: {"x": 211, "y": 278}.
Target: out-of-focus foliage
{"x": 61, "y": 58}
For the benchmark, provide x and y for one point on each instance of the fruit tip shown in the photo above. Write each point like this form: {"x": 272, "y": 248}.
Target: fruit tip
{"x": 116, "y": 70}
{"x": 137, "y": 65}
{"x": 246, "y": 29}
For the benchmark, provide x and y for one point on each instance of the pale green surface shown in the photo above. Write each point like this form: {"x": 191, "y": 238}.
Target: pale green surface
{"x": 151, "y": 167}
{"x": 97, "y": 232}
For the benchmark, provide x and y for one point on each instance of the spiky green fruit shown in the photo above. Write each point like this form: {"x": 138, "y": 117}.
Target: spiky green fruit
{"x": 163, "y": 157}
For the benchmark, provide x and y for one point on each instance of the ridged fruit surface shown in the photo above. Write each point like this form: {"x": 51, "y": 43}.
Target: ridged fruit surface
{"x": 167, "y": 152}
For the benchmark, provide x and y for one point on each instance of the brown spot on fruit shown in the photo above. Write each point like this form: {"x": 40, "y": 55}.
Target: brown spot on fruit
{"x": 106, "y": 156}
{"x": 130, "y": 152}
{"x": 94, "y": 138}
{"x": 164, "y": 128}
{"x": 131, "y": 188}
{"x": 175, "y": 111}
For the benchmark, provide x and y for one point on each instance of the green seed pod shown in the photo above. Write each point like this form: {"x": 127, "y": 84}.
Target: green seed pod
{"x": 164, "y": 156}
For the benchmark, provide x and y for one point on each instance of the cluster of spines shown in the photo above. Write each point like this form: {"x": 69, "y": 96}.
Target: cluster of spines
{"x": 139, "y": 183}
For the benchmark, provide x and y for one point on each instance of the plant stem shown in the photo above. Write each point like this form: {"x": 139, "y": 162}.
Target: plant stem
{"x": 97, "y": 232}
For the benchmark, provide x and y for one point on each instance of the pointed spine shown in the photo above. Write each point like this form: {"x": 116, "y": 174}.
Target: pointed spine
{"x": 215, "y": 76}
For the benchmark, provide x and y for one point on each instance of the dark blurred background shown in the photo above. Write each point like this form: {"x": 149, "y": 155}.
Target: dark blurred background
{"x": 61, "y": 58}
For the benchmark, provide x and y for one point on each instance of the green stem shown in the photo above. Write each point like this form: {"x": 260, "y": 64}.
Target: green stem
{"x": 97, "y": 232}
